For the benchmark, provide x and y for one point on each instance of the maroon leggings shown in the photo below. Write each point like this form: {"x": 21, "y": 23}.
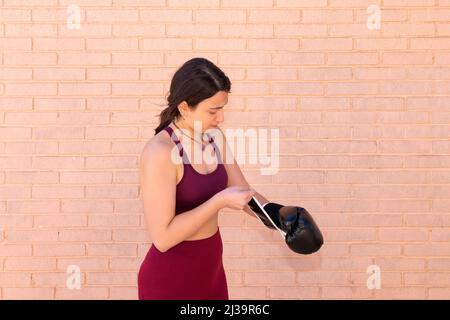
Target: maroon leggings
{"x": 191, "y": 270}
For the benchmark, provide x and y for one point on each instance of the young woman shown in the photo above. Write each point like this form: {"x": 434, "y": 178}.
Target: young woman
{"x": 182, "y": 200}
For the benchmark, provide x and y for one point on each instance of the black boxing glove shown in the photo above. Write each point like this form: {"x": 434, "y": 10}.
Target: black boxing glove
{"x": 271, "y": 209}
{"x": 302, "y": 234}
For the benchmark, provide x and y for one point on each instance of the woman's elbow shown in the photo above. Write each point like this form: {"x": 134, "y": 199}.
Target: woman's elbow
{"x": 160, "y": 245}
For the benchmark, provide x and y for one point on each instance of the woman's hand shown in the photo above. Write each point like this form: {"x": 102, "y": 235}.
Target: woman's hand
{"x": 235, "y": 197}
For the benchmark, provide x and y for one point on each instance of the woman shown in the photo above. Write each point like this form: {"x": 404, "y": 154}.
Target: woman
{"x": 181, "y": 201}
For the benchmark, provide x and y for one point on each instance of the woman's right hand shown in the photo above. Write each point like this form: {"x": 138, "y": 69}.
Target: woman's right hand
{"x": 235, "y": 197}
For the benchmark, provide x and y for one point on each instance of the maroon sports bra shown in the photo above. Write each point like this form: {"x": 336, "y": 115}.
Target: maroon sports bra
{"x": 195, "y": 187}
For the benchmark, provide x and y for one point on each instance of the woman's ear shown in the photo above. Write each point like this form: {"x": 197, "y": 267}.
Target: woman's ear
{"x": 183, "y": 108}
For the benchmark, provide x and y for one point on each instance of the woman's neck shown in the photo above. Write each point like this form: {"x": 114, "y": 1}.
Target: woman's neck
{"x": 189, "y": 131}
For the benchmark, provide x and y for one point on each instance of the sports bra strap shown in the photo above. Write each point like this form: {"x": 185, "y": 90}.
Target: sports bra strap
{"x": 182, "y": 154}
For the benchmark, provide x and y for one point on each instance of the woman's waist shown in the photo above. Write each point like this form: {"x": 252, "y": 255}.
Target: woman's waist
{"x": 209, "y": 245}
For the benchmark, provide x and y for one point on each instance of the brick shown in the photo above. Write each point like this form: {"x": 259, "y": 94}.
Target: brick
{"x": 438, "y": 293}
{"x": 346, "y": 235}
{"x": 89, "y": 177}
{"x": 112, "y": 249}
{"x": 274, "y": 16}
{"x": 28, "y": 293}
{"x": 125, "y": 264}
{"x": 244, "y": 30}
{"x": 425, "y": 249}
{"x": 30, "y": 29}
{"x": 193, "y": 30}
{"x": 56, "y": 250}
{"x": 114, "y": 44}
{"x": 178, "y": 15}
{"x": 86, "y": 118}
{"x": 111, "y": 132}
{"x": 58, "y": 74}
{"x": 15, "y": 250}
{"x": 112, "y": 74}
{"x": 388, "y": 15}
{"x": 15, "y": 44}
{"x": 59, "y": 44}
{"x": 416, "y": 58}
{"x": 123, "y": 293}
{"x": 130, "y": 29}
{"x": 193, "y": 3}
{"x": 98, "y": 3}
{"x": 351, "y": 30}
{"x": 87, "y": 30}
{"x": 431, "y": 278}
{"x": 53, "y": 279}
{"x": 84, "y": 263}
{"x": 31, "y": 89}
{"x": 33, "y": 236}
{"x": 269, "y": 278}
{"x": 85, "y": 293}
{"x": 15, "y": 15}
{"x": 123, "y": 15}
{"x": 379, "y": 73}
{"x": 342, "y": 292}
{"x": 108, "y": 220}
{"x": 326, "y": 16}
{"x": 61, "y": 162}
{"x": 212, "y": 16}
{"x": 391, "y": 29}
{"x": 84, "y": 59}
{"x": 76, "y": 89}
{"x": 136, "y": 88}
{"x": 15, "y": 279}
{"x": 241, "y": 292}
{"x": 327, "y": 44}
{"x": 30, "y": 264}
{"x": 137, "y": 58}
{"x": 287, "y": 292}
{"x": 15, "y": 162}
{"x": 15, "y": 74}
{"x": 440, "y": 235}
{"x": 112, "y": 278}
{"x": 210, "y": 44}
{"x": 404, "y": 3}
{"x": 91, "y": 236}
{"x": 15, "y": 192}
{"x": 36, "y": 118}
{"x": 71, "y": 104}
{"x": 60, "y": 220}
{"x": 376, "y": 44}
{"x": 14, "y": 220}
{"x": 130, "y": 235}
{"x": 300, "y": 3}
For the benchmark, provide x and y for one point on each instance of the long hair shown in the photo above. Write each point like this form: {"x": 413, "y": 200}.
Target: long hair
{"x": 196, "y": 80}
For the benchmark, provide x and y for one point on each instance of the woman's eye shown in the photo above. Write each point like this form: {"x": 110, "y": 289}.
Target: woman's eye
{"x": 212, "y": 112}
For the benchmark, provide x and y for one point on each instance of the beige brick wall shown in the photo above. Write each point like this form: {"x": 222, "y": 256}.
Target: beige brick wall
{"x": 364, "y": 124}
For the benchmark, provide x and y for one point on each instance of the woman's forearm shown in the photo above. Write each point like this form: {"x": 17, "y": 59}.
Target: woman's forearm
{"x": 189, "y": 222}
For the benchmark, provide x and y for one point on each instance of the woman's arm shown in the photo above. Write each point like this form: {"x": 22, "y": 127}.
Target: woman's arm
{"x": 235, "y": 176}
{"x": 158, "y": 188}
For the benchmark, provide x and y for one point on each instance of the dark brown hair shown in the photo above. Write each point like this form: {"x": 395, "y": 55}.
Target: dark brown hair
{"x": 196, "y": 80}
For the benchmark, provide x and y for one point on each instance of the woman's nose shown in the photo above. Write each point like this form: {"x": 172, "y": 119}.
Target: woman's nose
{"x": 220, "y": 116}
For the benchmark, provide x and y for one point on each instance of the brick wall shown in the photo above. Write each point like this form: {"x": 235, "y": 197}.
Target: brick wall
{"x": 364, "y": 120}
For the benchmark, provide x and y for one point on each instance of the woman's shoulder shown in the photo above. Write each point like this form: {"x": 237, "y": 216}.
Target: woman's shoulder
{"x": 158, "y": 146}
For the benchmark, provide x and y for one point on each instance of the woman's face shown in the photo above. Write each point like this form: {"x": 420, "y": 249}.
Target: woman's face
{"x": 209, "y": 112}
